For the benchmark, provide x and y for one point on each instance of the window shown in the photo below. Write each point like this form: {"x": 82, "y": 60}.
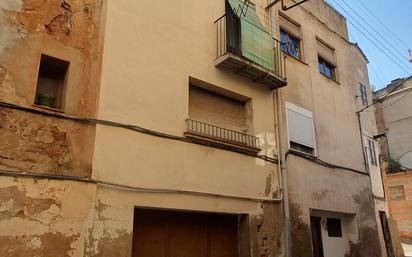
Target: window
{"x": 51, "y": 82}
{"x": 220, "y": 120}
{"x": 326, "y": 60}
{"x": 372, "y": 152}
{"x": 290, "y": 36}
{"x": 217, "y": 109}
{"x": 334, "y": 227}
{"x": 397, "y": 192}
{"x": 300, "y": 128}
{"x": 363, "y": 94}
{"x": 290, "y": 44}
{"x": 326, "y": 69}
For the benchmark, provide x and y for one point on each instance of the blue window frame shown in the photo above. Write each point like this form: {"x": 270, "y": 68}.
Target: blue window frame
{"x": 290, "y": 44}
{"x": 326, "y": 69}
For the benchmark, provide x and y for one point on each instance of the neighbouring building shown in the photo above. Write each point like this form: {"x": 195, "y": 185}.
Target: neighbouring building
{"x": 333, "y": 158}
{"x": 399, "y": 186}
{"x": 394, "y": 120}
{"x": 394, "y": 117}
{"x": 218, "y": 128}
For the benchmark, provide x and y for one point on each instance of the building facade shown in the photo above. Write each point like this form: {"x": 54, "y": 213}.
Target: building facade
{"x": 331, "y": 189}
{"x": 394, "y": 119}
{"x": 394, "y": 116}
{"x": 211, "y": 128}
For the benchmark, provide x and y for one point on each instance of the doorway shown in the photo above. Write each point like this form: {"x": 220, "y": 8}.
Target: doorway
{"x": 317, "y": 245}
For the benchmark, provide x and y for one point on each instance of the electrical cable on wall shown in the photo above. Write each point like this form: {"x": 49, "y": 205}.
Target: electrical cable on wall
{"x": 166, "y": 136}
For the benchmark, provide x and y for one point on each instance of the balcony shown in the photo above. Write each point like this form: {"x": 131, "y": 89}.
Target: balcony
{"x": 217, "y": 136}
{"x": 250, "y": 51}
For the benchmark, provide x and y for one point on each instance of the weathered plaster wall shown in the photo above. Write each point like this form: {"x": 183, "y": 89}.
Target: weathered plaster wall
{"x": 68, "y": 30}
{"x": 313, "y": 187}
{"x": 40, "y": 217}
{"x": 338, "y": 141}
{"x": 44, "y": 217}
{"x": 135, "y": 159}
{"x": 64, "y": 29}
{"x": 113, "y": 219}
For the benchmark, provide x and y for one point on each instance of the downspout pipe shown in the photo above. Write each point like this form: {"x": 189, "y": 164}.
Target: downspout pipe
{"x": 283, "y": 167}
{"x": 281, "y": 157}
{"x": 365, "y": 161}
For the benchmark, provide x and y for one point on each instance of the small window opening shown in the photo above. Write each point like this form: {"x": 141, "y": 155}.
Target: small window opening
{"x": 51, "y": 82}
{"x": 364, "y": 94}
{"x": 334, "y": 227}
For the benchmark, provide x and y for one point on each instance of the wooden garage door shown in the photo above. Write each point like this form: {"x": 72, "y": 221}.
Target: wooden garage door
{"x": 182, "y": 234}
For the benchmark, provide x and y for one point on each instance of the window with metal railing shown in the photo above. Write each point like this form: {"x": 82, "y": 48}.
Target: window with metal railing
{"x": 209, "y": 131}
{"x": 220, "y": 119}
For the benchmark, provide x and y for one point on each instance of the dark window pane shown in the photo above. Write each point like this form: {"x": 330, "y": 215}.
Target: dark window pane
{"x": 328, "y": 71}
{"x": 334, "y": 228}
{"x": 51, "y": 80}
{"x": 321, "y": 67}
{"x": 289, "y": 44}
{"x": 283, "y": 41}
{"x": 302, "y": 148}
{"x": 293, "y": 47}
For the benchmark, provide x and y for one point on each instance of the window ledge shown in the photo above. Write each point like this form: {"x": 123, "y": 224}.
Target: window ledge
{"x": 295, "y": 58}
{"x": 48, "y": 108}
{"x": 326, "y": 77}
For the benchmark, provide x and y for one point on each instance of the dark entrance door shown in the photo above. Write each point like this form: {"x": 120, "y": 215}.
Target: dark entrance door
{"x": 317, "y": 246}
{"x": 184, "y": 234}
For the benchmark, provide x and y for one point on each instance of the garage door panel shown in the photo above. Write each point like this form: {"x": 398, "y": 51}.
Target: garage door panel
{"x": 179, "y": 234}
{"x": 149, "y": 231}
{"x": 187, "y": 235}
{"x": 223, "y": 238}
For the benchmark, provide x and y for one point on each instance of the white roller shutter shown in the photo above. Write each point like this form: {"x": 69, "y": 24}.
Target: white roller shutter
{"x": 300, "y": 125}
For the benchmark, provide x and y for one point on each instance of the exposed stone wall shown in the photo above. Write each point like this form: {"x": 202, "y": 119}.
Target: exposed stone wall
{"x": 65, "y": 29}
{"x": 40, "y": 217}
{"x": 36, "y": 143}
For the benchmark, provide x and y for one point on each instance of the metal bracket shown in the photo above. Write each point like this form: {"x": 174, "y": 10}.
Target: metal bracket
{"x": 284, "y": 7}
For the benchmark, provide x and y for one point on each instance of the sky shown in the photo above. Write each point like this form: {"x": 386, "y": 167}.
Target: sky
{"x": 374, "y": 18}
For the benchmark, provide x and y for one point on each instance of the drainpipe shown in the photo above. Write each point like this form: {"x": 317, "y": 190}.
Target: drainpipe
{"x": 362, "y": 141}
{"x": 281, "y": 160}
{"x": 282, "y": 165}
{"x": 387, "y": 145}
